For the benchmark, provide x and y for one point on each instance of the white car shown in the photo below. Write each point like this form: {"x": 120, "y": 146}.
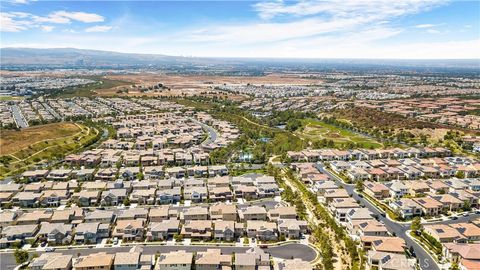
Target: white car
{"x": 49, "y": 249}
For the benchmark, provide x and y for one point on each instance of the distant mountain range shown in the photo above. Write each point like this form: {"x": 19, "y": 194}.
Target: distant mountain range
{"x": 76, "y": 57}
{"x": 71, "y": 57}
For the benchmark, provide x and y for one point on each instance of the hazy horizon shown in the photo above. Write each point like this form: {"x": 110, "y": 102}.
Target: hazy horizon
{"x": 246, "y": 57}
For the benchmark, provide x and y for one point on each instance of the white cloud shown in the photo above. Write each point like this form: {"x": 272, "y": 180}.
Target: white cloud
{"x": 46, "y": 28}
{"x": 433, "y": 31}
{"x": 343, "y": 8}
{"x": 9, "y": 24}
{"x": 268, "y": 32}
{"x": 20, "y": 2}
{"x": 308, "y": 19}
{"x": 19, "y": 21}
{"x": 98, "y": 28}
{"x": 427, "y": 25}
{"x": 79, "y": 16}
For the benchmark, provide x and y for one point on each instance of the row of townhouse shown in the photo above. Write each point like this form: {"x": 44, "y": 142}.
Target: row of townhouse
{"x": 426, "y": 197}
{"x": 410, "y": 168}
{"x": 465, "y": 255}
{"x": 137, "y": 259}
{"x": 309, "y": 173}
{"x": 219, "y": 221}
{"x": 461, "y": 232}
{"x": 125, "y": 173}
{"x": 152, "y": 191}
{"x": 398, "y": 189}
{"x": 314, "y": 155}
{"x": 383, "y": 250}
{"x": 113, "y": 157}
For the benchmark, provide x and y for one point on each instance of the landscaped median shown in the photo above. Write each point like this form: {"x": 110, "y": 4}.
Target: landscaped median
{"x": 328, "y": 232}
{"x": 382, "y": 207}
{"x": 435, "y": 249}
{"x": 379, "y": 205}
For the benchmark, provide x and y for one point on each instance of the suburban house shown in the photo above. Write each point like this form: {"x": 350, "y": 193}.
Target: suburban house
{"x": 212, "y": 259}
{"x": 160, "y": 231}
{"x": 129, "y": 230}
{"x": 178, "y": 260}
{"x": 126, "y": 261}
{"x": 429, "y": 206}
{"x": 227, "y": 212}
{"x": 197, "y": 229}
{"x": 252, "y": 213}
{"x": 95, "y": 261}
{"x": 224, "y": 230}
{"x": 55, "y": 233}
{"x": 262, "y": 230}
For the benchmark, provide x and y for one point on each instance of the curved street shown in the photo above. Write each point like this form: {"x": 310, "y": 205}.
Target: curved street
{"x": 425, "y": 260}
{"x": 212, "y": 133}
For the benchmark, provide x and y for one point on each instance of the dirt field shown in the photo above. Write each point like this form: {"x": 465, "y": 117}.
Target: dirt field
{"x": 13, "y": 141}
{"x": 434, "y": 134}
{"x": 191, "y": 85}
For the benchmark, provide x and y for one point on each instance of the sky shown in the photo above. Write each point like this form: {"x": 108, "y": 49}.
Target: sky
{"x": 393, "y": 29}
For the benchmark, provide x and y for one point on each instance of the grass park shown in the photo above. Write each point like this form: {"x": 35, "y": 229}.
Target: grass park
{"x": 316, "y": 130}
{"x": 19, "y": 150}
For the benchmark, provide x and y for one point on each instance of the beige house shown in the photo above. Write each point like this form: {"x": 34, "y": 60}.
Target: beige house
{"x": 212, "y": 259}
{"x": 223, "y": 211}
{"x": 95, "y": 261}
{"x": 175, "y": 260}
{"x": 52, "y": 261}
{"x": 197, "y": 229}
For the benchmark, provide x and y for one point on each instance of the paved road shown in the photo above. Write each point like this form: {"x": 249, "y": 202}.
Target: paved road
{"x": 212, "y": 133}
{"x": 51, "y": 110}
{"x": 18, "y": 117}
{"x": 425, "y": 260}
{"x": 7, "y": 261}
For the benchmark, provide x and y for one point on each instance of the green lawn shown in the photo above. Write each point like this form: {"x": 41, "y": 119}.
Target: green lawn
{"x": 316, "y": 130}
{"x": 10, "y": 98}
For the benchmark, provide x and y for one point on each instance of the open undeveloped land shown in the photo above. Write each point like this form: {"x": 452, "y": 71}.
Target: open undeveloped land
{"x": 196, "y": 84}
{"x": 21, "y": 149}
{"x": 13, "y": 141}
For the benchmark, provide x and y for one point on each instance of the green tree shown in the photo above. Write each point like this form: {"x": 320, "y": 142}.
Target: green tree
{"x": 20, "y": 255}
{"x": 293, "y": 124}
{"x": 466, "y": 206}
{"x": 126, "y": 201}
{"x": 454, "y": 266}
{"x": 178, "y": 237}
{"x": 416, "y": 225}
{"x": 359, "y": 185}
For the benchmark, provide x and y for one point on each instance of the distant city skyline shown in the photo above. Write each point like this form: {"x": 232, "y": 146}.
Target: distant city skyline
{"x": 435, "y": 29}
